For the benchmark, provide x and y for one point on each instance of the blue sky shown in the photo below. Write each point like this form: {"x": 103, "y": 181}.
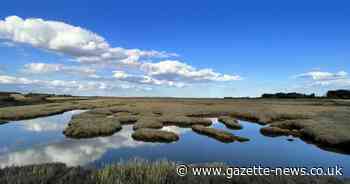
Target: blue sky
{"x": 180, "y": 48}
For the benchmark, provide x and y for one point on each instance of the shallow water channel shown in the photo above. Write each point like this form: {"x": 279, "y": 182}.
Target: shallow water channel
{"x": 41, "y": 140}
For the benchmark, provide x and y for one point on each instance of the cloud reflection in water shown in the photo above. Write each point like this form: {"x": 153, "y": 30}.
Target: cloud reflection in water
{"x": 75, "y": 152}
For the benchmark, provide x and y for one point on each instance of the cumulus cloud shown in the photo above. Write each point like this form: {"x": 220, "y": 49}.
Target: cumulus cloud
{"x": 143, "y": 79}
{"x": 90, "y": 50}
{"x": 83, "y": 45}
{"x": 172, "y": 73}
{"x": 5, "y": 79}
{"x": 78, "y": 85}
{"x": 64, "y": 85}
{"x": 44, "y": 68}
{"x": 172, "y": 70}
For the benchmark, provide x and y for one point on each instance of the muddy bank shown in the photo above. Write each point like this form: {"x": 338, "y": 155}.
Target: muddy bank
{"x": 136, "y": 172}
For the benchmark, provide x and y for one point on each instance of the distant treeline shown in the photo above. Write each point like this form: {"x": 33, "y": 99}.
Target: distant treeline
{"x": 335, "y": 94}
{"x": 288, "y": 95}
{"x": 45, "y": 95}
{"x": 7, "y": 93}
{"x": 341, "y": 94}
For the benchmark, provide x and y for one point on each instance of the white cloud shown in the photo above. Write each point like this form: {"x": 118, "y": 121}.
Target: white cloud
{"x": 79, "y": 43}
{"x": 173, "y": 73}
{"x": 5, "y": 79}
{"x": 43, "y": 68}
{"x": 65, "y": 86}
{"x": 87, "y": 47}
{"x": 143, "y": 79}
{"x": 167, "y": 73}
{"x": 170, "y": 70}
{"x": 323, "y": 76}
{"x": 332, "y": 80}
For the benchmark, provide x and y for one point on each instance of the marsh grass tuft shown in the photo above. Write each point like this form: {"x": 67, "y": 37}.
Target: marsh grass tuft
{"x": 135, "y": 171}
{"x": 139, "y": 171}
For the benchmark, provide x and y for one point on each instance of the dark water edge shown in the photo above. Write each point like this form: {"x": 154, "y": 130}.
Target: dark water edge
{"x": 41, "y": 140}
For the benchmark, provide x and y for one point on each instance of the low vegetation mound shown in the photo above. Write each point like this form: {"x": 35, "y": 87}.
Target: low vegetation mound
{"x": 275, "y": 131}
{"x": 144, "y": 122}
{"x": 230, "y": 123}
{"x": 219, "y": 135}
{"x": 127, "y": 120}
{"x": 152, "y": 135}
{"x": 88, "y": 125}
{"x": 183, "y": 121}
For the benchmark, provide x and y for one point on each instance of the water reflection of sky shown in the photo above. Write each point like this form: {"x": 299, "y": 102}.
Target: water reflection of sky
{"x": 69, "y": 151}
{"x": 41, "y": 141}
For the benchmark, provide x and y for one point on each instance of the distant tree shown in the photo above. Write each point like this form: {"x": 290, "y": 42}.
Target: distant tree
{"x": 288, "y": 95}
{"x": 341, "y": 94}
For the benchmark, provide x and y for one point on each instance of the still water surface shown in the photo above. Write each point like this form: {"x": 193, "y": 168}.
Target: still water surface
{"x": 41, "y": 140}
